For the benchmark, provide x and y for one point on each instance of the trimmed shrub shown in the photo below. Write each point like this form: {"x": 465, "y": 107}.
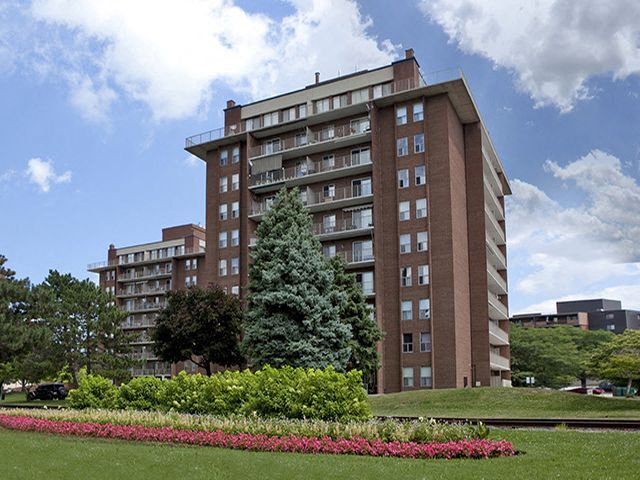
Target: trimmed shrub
{"x": 94, "y": 391}
{"x": 141, "y": 393}
{"x": 185, "y": 394}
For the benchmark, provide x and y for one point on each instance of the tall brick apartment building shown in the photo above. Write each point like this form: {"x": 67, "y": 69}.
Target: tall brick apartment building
{"x": 403, "y": 181}
{"x": 140, "y": 275}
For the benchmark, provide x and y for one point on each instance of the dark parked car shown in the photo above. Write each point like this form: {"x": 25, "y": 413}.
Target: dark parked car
{"x": 586, "y": 390}
{"x": 48, "y": 391}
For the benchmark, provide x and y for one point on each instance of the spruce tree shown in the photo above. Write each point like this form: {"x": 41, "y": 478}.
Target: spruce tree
{"x": 355, "y": 312}
{"x": 291, "y": 319}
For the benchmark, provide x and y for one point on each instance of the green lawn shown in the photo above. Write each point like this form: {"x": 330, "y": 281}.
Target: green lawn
{"x": 561, "y": 454}
{"x": 21, "y": 399}
{"x": 503, "y": 402}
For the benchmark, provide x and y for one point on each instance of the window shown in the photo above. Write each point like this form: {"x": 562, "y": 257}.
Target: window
{"x": 407, "y": 377}
{"x": 223, "y": 211}
{"x": 223, "y": 157}
{"x": 407, "y": 310}
{"x": 252, "y": 123}
{"x": 235, "y": 266}
{"x": 223, "y": 184}
{"x": 421, "y": 208}
{"x": 194, "y": 263}
{"x": 235, "y": 181}
{"x": 381, "y": 90}
{"x": 609, "y": 316}
{"x": 423, "y": 241}
{"x": 361, "y": 187}
{"x": 418, "y": 112}
{"x": 322, "y": 105}
{"x": 421, "y": 176}
{"x": 222, "y": 268}
{"x": 423, "y": 275}
{"x": 362, "y": 218}
{"x": 365, "y": 279}
{"x": 235, "y": 209}
{"x": 360, "y": 125}
{"x": 329, "y": 251}
{"x": 425, "y": 377}
{"x": 403, "y": 146}
{"x": 418, "y": 143}
{"x": 235, "y": 290}
{"x": 187, "y": 264}
{"x": 302, "y": 110}
{"x": 339, "y": 101}
{"x": 300, "y": 139}
{"x": 271, "y": 146}
{"x": 405, "y": 214}
{"x": 269, "y": 119}
{"x": 362, "y": 251}
{"x": 425, "y": 342}
{"x": 327, "y": 133}
{"x": 328, "y": 223}
{"x": 405, "y": 243}
{"x": 403, "y": 178}
{"x": 235, "y": 155}
{"x": 289, "y": 114}
{"x": 407, "y": 343}
{"x": 329, "y": 191}
{"x": 187, "y": 282}
{"x": 360, "y": 156}
{"x": 405, "y": 276}
{"x": 328, "y": 162}
{"x": 401, "y": 115}
{"x": 235, "y": 238}
{"x": 611, "y": 327}
{"x": 423, "y": 309}
{"x": 194, "y": 280}
{"x": 358, "y": 96}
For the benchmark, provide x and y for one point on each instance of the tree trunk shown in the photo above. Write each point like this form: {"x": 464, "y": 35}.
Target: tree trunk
{"x": 629, "y": 382}
{"x": 1, "y": 389}
{"x": 583, "y": 382}
{"x": 207, "y": 368}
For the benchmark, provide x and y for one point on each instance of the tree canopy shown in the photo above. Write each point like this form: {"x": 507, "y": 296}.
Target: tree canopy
{"x": 291, "y": 318}
{"x": 619, "y": 359}
{"x": 200, "y": 325}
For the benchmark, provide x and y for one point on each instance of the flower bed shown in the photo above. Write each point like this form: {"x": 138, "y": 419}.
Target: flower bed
{"x": 420, "y": 431}
{"x": 474, "y": 448}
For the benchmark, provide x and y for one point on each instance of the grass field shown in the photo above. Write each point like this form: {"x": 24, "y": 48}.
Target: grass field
{"x": 20, "y": 398}
{"x": 561, "y": 454}
{"x": 503, "y": 402}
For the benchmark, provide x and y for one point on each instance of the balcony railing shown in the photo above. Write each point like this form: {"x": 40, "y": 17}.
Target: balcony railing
{"x": 142, "y": 291}
{"x": 143, "y": 356}
{"x": 344, "y": 225}
{"x": 311, "y": 198}
{"x": 138, "y": 324}
{"x": 144, "y": 275}
{"x": 501, "y": 335}
{"x": 500, "y": 237}
{"x": 143, "y": 307}
{"x": 496, "y": 252}
{"x": 309, "y": 137}
{"x": 309, "y": 168}
{"x": 357, "y": 256}
{"x": 501, "y": 311}
{"x": 139, "y": 372}
{"x": 498, "y": 362}
{"x": 497, "y": 278}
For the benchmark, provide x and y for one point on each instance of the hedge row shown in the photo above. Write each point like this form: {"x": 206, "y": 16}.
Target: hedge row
{"x": 267, "y": 393}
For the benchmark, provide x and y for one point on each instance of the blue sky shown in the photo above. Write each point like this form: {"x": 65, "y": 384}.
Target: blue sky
{"x": 97, "y": 98}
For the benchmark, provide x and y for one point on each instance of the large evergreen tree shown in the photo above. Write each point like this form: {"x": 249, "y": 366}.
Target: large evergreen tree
{"x": 355, "y": 312}
{"x": 291, "y": 318}
{"x": 201, "y": 325}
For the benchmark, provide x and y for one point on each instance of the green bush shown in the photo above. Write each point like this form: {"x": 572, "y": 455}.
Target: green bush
{"x": 141, "y": 393}
{"x": 286, "y": 392}
{"x": 94, "y": 391}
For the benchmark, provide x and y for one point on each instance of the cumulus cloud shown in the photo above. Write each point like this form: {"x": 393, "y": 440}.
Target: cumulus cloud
{"x": 171, "y": 55}
{"x": 559, "y": 249}
{"x": 42, "y": 173}
{"x": 553, "y": 47}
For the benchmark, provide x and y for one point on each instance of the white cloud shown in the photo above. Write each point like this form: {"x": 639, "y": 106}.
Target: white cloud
{"x": 554, "y": 47}
{"x": 172, "y": 54}
{"x": 561, "y": 250}
{"x": 41, "y": 173}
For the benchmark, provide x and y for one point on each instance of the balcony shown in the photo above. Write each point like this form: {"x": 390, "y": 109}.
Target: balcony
{"x": 497, "y": 309}
{"x": 357, "y": 258}
{"x": 341, "y": 229}
{"x": 143, "y": 356}
{"x": 318, "y": 201}
{"x": 310, "y": 172}
{"x": 141, "y": 339}
{"x": 142, "y": 291}
{"x": 492, "y": 201}
{"x": 131, "y": 325}
{"x": 143, "y": 307}
{"x": 497, "y": 284}
{"x": 498, "y": 362}
{"x": 497, "y": 336}
{"x": 145, "y": 275}
{"x": 495, "y": 255}
{"x": 310, "y": 141}
{"x": 494, "y": 229}
{"x": 243, "y": 126}
{"x": 151, "y": 372}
